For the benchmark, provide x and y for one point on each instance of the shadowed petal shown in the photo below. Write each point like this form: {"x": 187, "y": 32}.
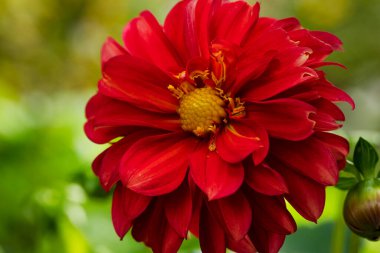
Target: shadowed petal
{"x": 157, "y": 165}
{"x": 211, "y": 234}
{"x": 265, "y": 180}
{"x": 235, "y": 221}
{"x": 126, "y": 206}
{"x": 178, "y": 209}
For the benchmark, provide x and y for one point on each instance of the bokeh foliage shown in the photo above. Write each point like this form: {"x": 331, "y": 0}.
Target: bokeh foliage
{"x": 49, "y": 65}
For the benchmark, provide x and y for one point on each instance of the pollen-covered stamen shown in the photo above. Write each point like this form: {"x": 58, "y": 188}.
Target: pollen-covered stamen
{"x": 201, "y": 111}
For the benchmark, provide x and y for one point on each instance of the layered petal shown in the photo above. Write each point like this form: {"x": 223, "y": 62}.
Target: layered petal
{"x": 178, "y": 209}
{"x": 265, "y": 180}
{"x": 126, "y": 206}
{"x": 215, "y": 177}
{"x": 312, "y": 159}
{"x": 144, "y": 38}
{"x": 106, "y": 166}
{"x": 236, "y": 222}
{"x": 125, "y": 78}
{"x": 237, "y": 141}
{"x": 157, "y": 165}
{"x": 233, "y": 21}
{"x": 211, "y": 235}
{"x": 103, "y": 112}
{"x": 111, "y": 49}
{"x": 305, "y": 195}
{"x": 284, "y": 118}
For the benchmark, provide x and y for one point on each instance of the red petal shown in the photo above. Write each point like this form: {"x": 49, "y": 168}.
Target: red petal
{"x": 106, "y": 167}
{"x": 138, "y": 82}
{"x": 328, "y": 38}
{"x": 334, "y": 94}
{"x": 266, "y": 241}
{"x": 152, "y": 229}
{"x": 310, "y": 158}
{"x": 235, "y": 142}
{"x": 111, "y": 49}
{"x": 271, "y": 85}
{"x": 186, "y": 26}
{"x": 327, "y": 115}
{"x": 233, "y": 21}
{"x": 236, "y": 221}
{"x": 178, "y": 209}
{"x": 126, "y": 206}
{"x": 157, "y": 165}
{"x": 338, "y": 146}
{"x": 271, "y": 214}
{"x": 305, "y": 195}
{"x": 211, "y": 234}
{"x": 143, "y": 37}
{"x": 283, "y": 118}
{"x": 113, "y": 113}
{"x": 265, "y": 180}
{"x": 243, "y": 246}
{"x": 214, "y": 176}
{"x": 320, "y": 48}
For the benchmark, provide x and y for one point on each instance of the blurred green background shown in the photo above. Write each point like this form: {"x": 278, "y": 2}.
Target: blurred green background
{"x": 50, "y": 201}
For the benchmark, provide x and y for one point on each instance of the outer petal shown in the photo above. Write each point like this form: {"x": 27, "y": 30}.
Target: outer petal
{"x": 269, "y": 86}
{"x": 312, "y": 159}
{"x": 305, "y": 195}
{"x": 214, "y": 176}
{"x": 186, "y": 26}
{"x": 111, "y": 49}
{"x": 157, "y": 165}
{"x": 235, "y": 221}
{"x": 271, "y": 214}
{"x": 152, "y": 229}
{"x": 265, "y": 180}
{"x": 126, "y": 206}
{"x": 106, "y": 112}
{"x": 237, "y": 141}
{"x": 143, "y": 37}
{"x": 233, "y": 21}
{"x": 338, "y": 146}
{"x": 178, "y": 209}
{"x": 283, "y": 118}
{"x": 211, "y": 234}
{"x": 106, "y": 166}
{"x": 243, "y": 246}
{"x": 266, "y": 241}
{"x": 138, "y": 82}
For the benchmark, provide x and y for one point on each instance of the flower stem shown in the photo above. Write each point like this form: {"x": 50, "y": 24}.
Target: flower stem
{"x": 354, "y": 243}
{"x": 338, "y": 241}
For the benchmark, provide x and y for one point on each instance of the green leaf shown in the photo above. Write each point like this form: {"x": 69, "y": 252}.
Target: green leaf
{"x": 346, "y": 183}
{"x": 365, "y": 158}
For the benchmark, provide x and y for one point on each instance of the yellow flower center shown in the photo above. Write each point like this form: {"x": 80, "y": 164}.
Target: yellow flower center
{"x": 200, "y": 110}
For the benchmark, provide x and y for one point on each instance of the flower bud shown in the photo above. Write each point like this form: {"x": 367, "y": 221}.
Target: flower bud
{"x": 362, "y": 209}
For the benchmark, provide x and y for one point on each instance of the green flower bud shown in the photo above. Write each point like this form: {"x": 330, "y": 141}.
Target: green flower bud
{"x": 362, "y": 209}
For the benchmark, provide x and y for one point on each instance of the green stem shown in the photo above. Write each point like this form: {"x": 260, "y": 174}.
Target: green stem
{"x": 340, "y": 227}
{"x": 354, "y": 243}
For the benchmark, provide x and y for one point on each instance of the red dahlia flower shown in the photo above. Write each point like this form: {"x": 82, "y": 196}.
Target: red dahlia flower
{"x": 223, "y": 115}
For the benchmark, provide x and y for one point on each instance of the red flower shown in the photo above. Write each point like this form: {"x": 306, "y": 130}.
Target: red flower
{"x": 223, "y": 115}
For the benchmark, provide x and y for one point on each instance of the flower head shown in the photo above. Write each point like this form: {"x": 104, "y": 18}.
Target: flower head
{"x": 223, "y": 115}
{"x": 362, "y": 209}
